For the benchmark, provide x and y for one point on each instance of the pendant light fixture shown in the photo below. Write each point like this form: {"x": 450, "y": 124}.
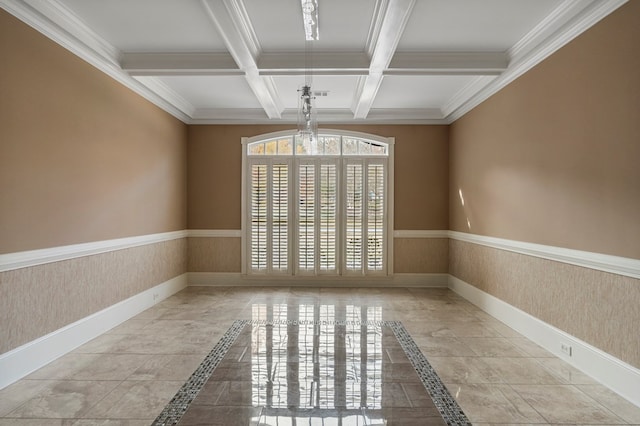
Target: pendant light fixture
{"x": 307, "y": 115}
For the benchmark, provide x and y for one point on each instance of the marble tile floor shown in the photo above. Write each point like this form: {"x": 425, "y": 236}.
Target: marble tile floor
{"x": 129, "y": 374}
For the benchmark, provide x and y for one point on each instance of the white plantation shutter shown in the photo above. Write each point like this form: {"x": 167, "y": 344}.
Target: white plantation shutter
{"x": 317, "y": 193}
{"x": 270, "y": 216}
{"x": 317, "y": 212}
{"x": 364, "y": 215}
{"x": 328, "y": 222}
{"x": 306, "y": 217}
{"x": 354, "y": 188}
{"x": 376, "y": 196}
{"x": 280, "y": 217}
{"x": 258, "y": 232}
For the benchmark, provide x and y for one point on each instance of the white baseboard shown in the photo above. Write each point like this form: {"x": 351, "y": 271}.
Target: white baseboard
{"x": 224, "y": 279}
{"x": 29, "y": 357}
{"x": 620, "y": 377}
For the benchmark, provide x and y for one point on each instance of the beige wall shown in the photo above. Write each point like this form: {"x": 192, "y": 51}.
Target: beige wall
{"x": 554, "y": 157}
{"x": 82, "y": 158}
{"x": 421, "y": 173}
{"x": 420, "y": 192}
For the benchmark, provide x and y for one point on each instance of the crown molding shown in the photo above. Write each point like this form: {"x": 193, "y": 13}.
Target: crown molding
{"x": 60, "y": 15}
{"x": 58, "y": 23}
{"x": 464, "y": 94}
{"x": 565, "y": 23}
{"x": 168, "y": 95}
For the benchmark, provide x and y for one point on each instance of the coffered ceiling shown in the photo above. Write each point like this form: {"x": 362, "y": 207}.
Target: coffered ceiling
{"x": 376, "y": 61}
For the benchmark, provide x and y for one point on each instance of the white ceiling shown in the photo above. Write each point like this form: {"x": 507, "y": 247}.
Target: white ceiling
{"x": 380, "y": 61}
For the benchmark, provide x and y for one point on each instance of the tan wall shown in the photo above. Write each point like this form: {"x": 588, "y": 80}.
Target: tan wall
{"x": 82, "y": 158}
{"x": 421, "y": 173}
{"x": 554, "y": 157}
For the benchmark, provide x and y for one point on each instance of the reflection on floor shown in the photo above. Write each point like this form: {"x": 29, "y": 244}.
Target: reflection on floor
{"x": 315, "y": 370}
{"x": 128, "y": 375}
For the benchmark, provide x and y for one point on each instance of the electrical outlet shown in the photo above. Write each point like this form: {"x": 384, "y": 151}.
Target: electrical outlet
{"x": 565, "y": 348}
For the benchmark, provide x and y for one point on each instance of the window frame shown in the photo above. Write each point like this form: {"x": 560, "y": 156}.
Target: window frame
{"x": 341, "y": 160}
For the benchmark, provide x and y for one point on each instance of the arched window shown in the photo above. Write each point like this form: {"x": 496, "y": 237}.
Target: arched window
{"x": 317, "y": 209}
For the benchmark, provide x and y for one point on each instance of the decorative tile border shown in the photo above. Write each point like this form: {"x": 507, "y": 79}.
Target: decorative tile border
{"x": 449, "y": 409}
{"x": 176, "y": 408}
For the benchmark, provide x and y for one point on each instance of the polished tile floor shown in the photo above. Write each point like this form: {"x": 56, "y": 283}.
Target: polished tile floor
{"x": 128, "y": 375}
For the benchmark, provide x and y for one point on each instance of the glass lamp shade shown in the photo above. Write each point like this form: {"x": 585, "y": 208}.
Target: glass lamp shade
{"x": 307, "y": 117}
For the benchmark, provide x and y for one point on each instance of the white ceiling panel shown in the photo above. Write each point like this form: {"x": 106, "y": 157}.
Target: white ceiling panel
{"x": 150, "y": 25}
{"x": 340, "y": 90}
{"x": 213, "y": 91}
{"x": 418, "y": 91}
{"x": 472, "y": 25}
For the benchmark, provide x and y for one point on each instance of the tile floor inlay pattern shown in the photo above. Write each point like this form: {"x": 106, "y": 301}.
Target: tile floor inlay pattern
{"x": 185, "y": 396}
{"x": 287, "y": 372}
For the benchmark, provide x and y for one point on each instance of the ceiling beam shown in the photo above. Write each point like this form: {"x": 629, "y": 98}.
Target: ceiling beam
{"x": 321, "y": 63}
{"x": 317, "y": 63}
{"x": 388, "y": 27}
{"x": 232, "y": 22}
{"x": 157, "y": 64}
{"x": 326, "y": 115}
{"x": 448, "y": 63}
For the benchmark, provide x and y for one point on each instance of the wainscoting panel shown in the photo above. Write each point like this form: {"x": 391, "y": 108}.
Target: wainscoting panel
{"x": 421, "y": 255}
{"x": 37, "y": 300}
{"x": 214, "y": 254}
{"x": 597, "y": 307}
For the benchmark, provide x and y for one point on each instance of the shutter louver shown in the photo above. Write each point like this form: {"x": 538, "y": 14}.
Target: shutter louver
{"x": 259, "y": 217}
{"x": 375, "y": 217}
{"x": 280, "y": 217}
{"x": 306, "y": 217}
{"x": 328, "y": 217}
{"x": 354, "y": 213}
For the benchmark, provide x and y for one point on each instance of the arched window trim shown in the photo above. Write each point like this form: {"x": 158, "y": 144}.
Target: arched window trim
{"x": 389, "y": 159}
{"x": 374, "y": 141}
